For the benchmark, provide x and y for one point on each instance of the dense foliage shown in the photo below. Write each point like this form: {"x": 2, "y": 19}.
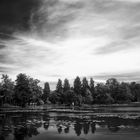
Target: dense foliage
{"x": 26, "y": 90}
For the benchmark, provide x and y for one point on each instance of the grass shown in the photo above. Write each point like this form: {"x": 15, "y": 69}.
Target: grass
{"x": 134, "y": 107}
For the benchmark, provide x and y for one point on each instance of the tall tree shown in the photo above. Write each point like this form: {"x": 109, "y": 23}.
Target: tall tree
{"x": 84, "y": 86}
{"x": 7, "y": 89}
{"x": 66, "y": 85}
{"x": 124, "y": 95}
{"x": 86, "y": 93}
{"x": 59, "y": 90}
{"x": 135, "y": 91}
{"x": 35, "y": 90}
{"x": 46, "y": 92}
{"x": 92, "y": 88}
{"x": 113, "y": 87}
{"x": 77, "y": 86}
{"x": 22, "y": 89}
{"x": 1, "y": 95}
{"x": 59, "y": 87}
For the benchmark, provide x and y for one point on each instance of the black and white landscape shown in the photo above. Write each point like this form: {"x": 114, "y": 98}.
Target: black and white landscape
{"x": 69, "y": 69}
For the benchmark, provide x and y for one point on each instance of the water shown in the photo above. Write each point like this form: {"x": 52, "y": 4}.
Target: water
{"x": 66, "y": 126}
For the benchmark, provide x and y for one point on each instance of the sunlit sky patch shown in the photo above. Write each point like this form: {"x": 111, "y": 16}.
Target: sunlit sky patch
{"x": 51, "y": 39}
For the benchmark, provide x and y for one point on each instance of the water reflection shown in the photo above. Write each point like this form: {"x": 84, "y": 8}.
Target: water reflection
{"x": 66, "y": 130}
{"x": 93, "y": 127}
{"x": 22, "y": 126}
{"x": 78, "y": 128}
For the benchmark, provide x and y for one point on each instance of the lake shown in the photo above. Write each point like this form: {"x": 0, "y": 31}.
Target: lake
{"x": 67, "y": 126}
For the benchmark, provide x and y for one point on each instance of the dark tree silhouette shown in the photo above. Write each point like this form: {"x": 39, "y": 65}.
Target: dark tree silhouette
{"x": 46, "y": 92}
{"x": 92, "y": 88}
{"x": 59, "y": 90}
{"x": 77, "y": 86}
{"x": 66, "y": 85}
{"x": 6, "y": 89}
{"x": 135, "y": 91}
{"x": 26, "y": 89}
{"x": 84, "y": 86}
{"x": 22, "y": 89}
{"x": 59, "y": 87}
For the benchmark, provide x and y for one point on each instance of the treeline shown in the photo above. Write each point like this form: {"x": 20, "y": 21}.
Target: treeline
{"x": 26, "y": 90}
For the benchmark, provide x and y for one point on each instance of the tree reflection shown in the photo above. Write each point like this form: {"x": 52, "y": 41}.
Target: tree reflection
{"x": 59, "y": 129}
{"x": 24, "y": 131}
{"x": 93, "y": 127}
{"x": 46, "y": 125}
{"x": 5, "y": 127}
{"x": 32, "y": 130}
{"x": 26, "y": 126}
{"x": 113, "y": 124}
{"x": 66, "y": 130}
{"x": 2, "y": 137}
{"x": 78, "y": 128}
{"x": 20, "y": 133}
{"x": 60, "y": 124}
{"x": 86, "y": 127}
{"x": 4, "y": 134}
{"x": 114, "y": 128}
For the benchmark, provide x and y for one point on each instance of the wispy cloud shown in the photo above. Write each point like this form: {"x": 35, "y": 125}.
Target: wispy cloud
{"x": 66, "y": 38}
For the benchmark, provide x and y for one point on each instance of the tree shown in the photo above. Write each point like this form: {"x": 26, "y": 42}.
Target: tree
{"x": 22, "y": 89}
{"x": 102, "y": 95}
{"x": 54, "y": 97}
{"x": 135, "y": 91}
{"x": 46, "y": 92}
{"x": 87, "y": 98}
{"x": 1, "y": 95}
{"x": 84, "y": 86}
{"x": 35, "y": 90}
{"x": 59, "y": 90}
{"x": 124, "y": 95}
{"x": 68, "y": 93}
{"x": 69, "y": 97}
{"x": 66, "y": 85}
{"x": 59, "y": 87}
{"x": 112, "y": 82}
{"x": 92, "y": 88}
{"x": 77, "y": 86}
{"x": 86, "y": 93}
{"x": 113, "y": 88}
{"x": 7, "y": 89}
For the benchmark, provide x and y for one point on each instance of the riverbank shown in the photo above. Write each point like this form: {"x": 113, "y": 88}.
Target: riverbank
{"x": 113, "y": 108}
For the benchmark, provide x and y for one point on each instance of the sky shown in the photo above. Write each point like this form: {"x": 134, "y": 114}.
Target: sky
{"x": 51, "y": 39}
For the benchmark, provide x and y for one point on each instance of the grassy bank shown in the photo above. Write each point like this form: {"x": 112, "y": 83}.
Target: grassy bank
{"x": 133, "y": 107}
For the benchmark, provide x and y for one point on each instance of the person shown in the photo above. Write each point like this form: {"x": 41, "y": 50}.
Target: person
{"x": 72, "y": 105}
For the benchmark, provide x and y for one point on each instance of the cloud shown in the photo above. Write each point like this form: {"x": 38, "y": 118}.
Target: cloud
{"x": 51, "y": 21}
{"x": 113, "y": 47}
{"x": 133, "y": 1}
{"x": 3, "y": 70}
{"x": 51, "y": 39}
{"x": 15, "y": 14}
{"x": 132, "y": 76}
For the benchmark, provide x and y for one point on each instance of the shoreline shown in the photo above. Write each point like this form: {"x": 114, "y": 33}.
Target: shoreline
{"x": 78, "y": 114}
{"x": 113, "y": 108}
